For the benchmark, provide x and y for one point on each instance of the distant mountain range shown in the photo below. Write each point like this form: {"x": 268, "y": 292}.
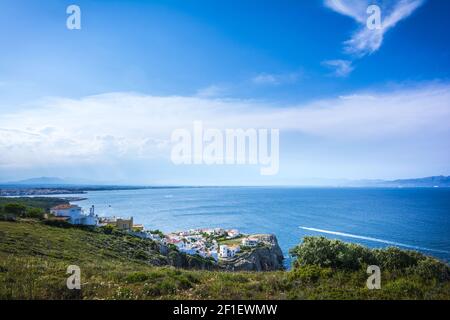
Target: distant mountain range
{"x": 435, "y": 181}
{"x": 427, "y": 182}
{"x": 51, "y": 181}
{"x": 41, "y": 180}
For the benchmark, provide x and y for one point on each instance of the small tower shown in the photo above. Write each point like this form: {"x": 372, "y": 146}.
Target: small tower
{"x": 91, "y": 211}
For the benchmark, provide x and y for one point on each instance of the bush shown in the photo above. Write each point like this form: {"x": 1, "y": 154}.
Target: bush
{"x": 396, "y": 259}
{"x": 140, "y": 255}
{"x": 35, "y": 213}
{"x": 327, "y": 253}
{"x": 15, "y": 208}
{"x": 108, "y": 229}
{"x": 405, "y": 287}
{"x": 309, "y": 273}
{"x": 137, "y": 277}
{"x": 431, "y": 269}
{"x": 11, "y": 210}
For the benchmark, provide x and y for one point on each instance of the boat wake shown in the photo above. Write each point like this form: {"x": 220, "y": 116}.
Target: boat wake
{"x": 348, "y": 235}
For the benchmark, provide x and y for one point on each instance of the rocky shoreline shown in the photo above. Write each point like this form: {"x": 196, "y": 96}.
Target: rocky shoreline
{"x": 266, "y": 257}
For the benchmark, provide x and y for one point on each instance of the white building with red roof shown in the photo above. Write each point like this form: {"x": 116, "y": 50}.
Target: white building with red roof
{"x": 75, "y": 214}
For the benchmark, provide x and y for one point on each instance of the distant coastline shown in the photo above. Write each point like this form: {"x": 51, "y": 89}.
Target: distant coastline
{"x": 51, "y": 185}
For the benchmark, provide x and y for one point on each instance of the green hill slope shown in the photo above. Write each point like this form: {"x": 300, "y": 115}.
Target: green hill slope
{"x": 34, "y": 257}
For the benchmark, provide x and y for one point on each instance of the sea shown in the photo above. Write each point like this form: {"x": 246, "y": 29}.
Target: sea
{"x": 409, "y": 218}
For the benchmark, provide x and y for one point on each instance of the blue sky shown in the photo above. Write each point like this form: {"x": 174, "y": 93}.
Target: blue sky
{"x": 63, "y": 89}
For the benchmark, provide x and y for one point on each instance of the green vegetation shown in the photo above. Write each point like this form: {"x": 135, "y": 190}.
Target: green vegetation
{"x": 157, "y": 232}
{"x": 35, "y": 254}
{"x": 231, "y": 242}
{"x": 34, "y": 259}
{"x": 337, "y": 255}
{"x": 13, "y": 208}
{"x": 44, "y": 203}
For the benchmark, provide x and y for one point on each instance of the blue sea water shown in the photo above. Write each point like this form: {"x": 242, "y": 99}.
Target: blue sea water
{"x": 417, "y": 218}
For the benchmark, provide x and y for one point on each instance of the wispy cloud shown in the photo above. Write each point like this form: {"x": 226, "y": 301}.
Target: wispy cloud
{"x": 342, "y": 68}
{"x": 110, "y": 127}
{"x": 366, "y": 41}
{"x": 274, "y": 79}
{"x": 211, "y": 91}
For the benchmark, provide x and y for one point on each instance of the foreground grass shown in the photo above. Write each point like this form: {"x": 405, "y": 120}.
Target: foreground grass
{"x": 34, "y": 258}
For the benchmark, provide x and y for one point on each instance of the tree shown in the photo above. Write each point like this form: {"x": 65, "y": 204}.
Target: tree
{"x": 36, "y": 213}
{"x": 15, "y": 208}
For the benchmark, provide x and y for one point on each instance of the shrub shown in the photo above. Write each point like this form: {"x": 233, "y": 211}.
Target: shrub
{"x": 404, "y": 287}
{"x": 20, "y": 210}
{"x": 396, "y": 259}
{"x": 430, "y": 269}
{"x": 309, "y": 273}
{"x": 327, "y": 253}
{"x": 15, "y": 208}
{"x": 108, "y": 229}
{"x": 140, "y": 255}
{"x": 36, "y": 213}
{"x": 137, "y": 277}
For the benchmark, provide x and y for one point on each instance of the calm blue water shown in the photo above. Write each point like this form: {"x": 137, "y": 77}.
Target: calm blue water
{"x": 411, "y": 218}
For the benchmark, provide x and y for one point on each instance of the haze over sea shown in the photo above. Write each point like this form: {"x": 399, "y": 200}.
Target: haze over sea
{"x": 413, "y": 218}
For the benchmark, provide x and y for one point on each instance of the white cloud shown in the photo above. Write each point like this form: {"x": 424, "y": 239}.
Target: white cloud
{"x": 351, "y": 8}
{"x": 365, "y": 41}
{"x": 109, "y": 127}
{"x": 274, "y": 79}
{"x": 342, "y": 68}
{"x": 211, "y": 91}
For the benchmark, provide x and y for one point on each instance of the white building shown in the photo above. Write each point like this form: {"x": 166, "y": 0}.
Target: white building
{"x": 187, "y": 250}
{"x": 75, "y": 214}
{"x": 233, "y": 233}
{"x": 140, "y": 234}
{"x": 154, "y": 237}
{"x": 214, "y": 232}
{"x": 213, "y": 254}
{"x": 250, "y": 242}
{"x": 228, "y": 251}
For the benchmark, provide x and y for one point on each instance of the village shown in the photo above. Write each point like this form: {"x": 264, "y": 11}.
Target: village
{"x": 212, "y": 243}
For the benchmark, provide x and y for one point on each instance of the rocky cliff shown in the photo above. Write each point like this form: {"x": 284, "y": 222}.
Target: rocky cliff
{"x": 182, "y": 260}
{"x": 267, "y": 256}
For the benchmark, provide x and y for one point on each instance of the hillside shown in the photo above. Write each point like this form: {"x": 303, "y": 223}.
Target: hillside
{"x": 34, "y": 258}
{"x": 86, "y": 246}
{"x": 35, "y": 254}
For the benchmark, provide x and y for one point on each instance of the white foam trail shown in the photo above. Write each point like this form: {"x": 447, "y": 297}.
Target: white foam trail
{"x": 348, "y": 235}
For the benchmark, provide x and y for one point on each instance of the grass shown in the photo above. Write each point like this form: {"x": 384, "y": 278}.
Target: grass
{"x": 34, "y": 258}
{"x": 231, "y": 242}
